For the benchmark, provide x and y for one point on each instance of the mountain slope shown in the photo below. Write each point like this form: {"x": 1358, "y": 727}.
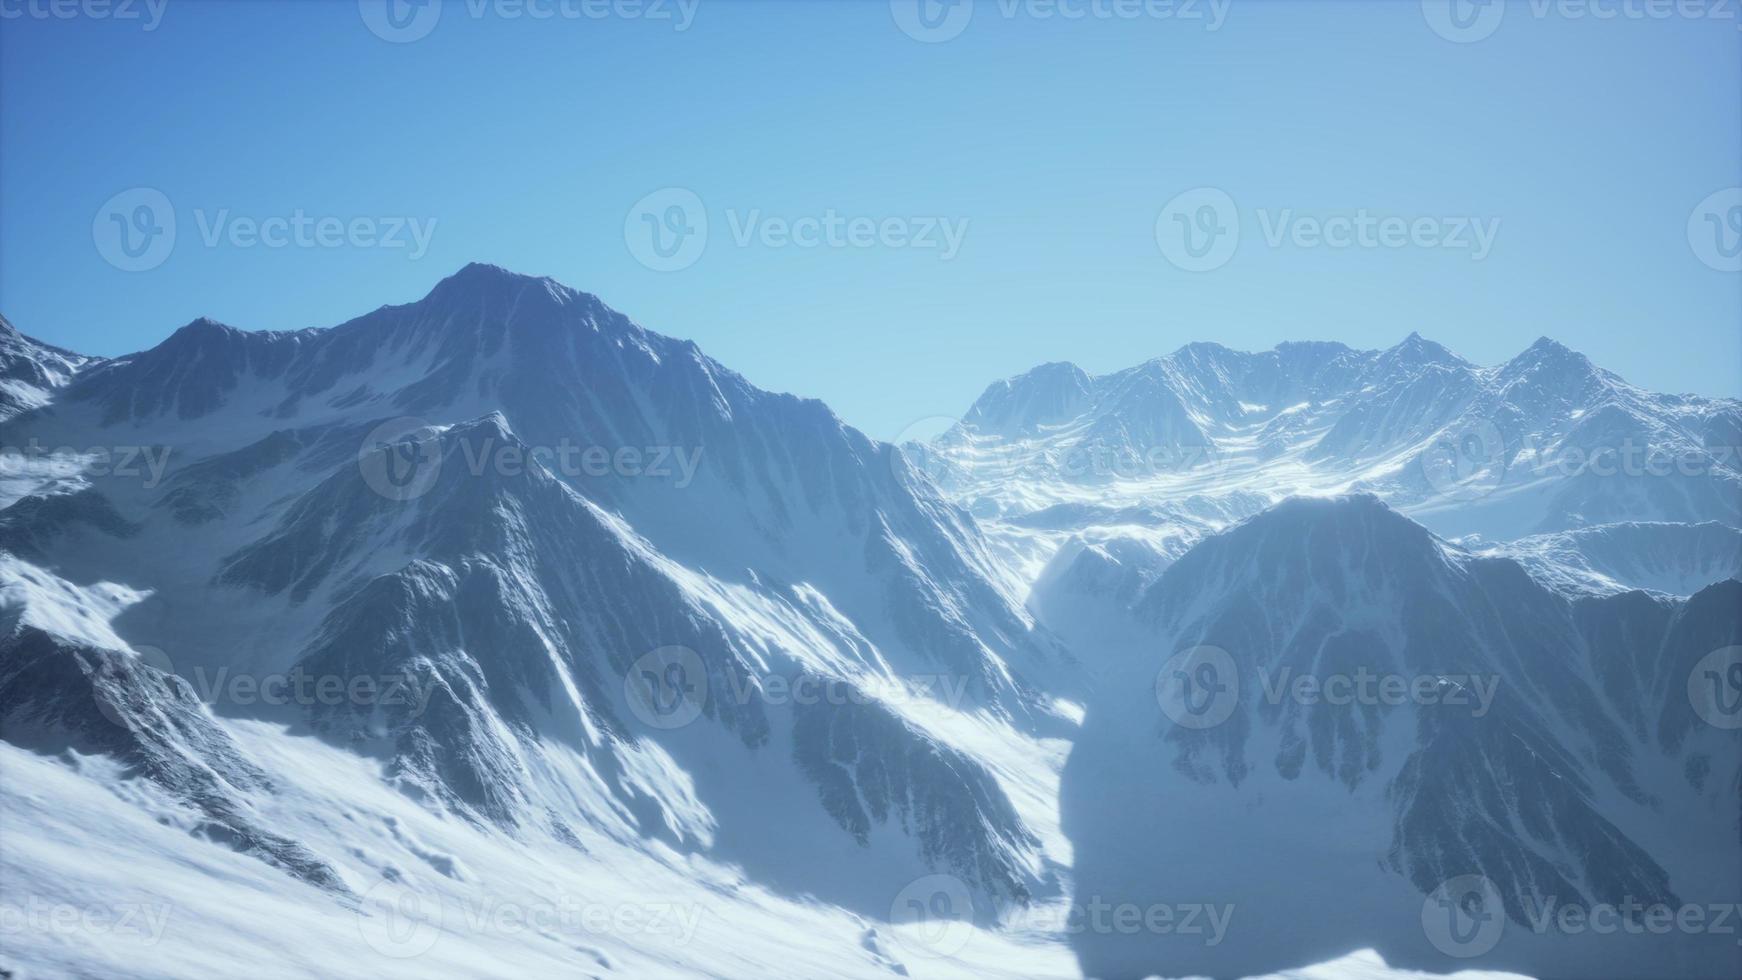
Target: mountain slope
{"x": 1388, "y": 713}
{"x": 31, "y": 371}
{"x": 505, "y": 583}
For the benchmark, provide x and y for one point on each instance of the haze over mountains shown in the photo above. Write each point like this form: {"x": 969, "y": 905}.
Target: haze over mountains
{"x": 498, "y": 600}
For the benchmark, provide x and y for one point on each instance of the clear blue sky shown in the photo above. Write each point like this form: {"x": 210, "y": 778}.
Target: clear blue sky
{"x": 1059, "y": 141}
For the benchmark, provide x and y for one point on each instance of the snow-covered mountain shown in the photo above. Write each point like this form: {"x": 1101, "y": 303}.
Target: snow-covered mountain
{"x": 1674, "y": 559}
{"x": 30, "y": 371}
{"x": 1323, "y": 715}
{"x": 596, "y": 588}
{"x": 493, "y": 634}
{"x": 1190, "y": 521}
{"x": 1544, "y": 442}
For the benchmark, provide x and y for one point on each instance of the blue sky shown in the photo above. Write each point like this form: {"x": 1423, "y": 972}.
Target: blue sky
{"x": 1055, "y": 150}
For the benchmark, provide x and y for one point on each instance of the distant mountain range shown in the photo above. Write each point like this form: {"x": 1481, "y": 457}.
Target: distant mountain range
{"x": 1545, "y": 442}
